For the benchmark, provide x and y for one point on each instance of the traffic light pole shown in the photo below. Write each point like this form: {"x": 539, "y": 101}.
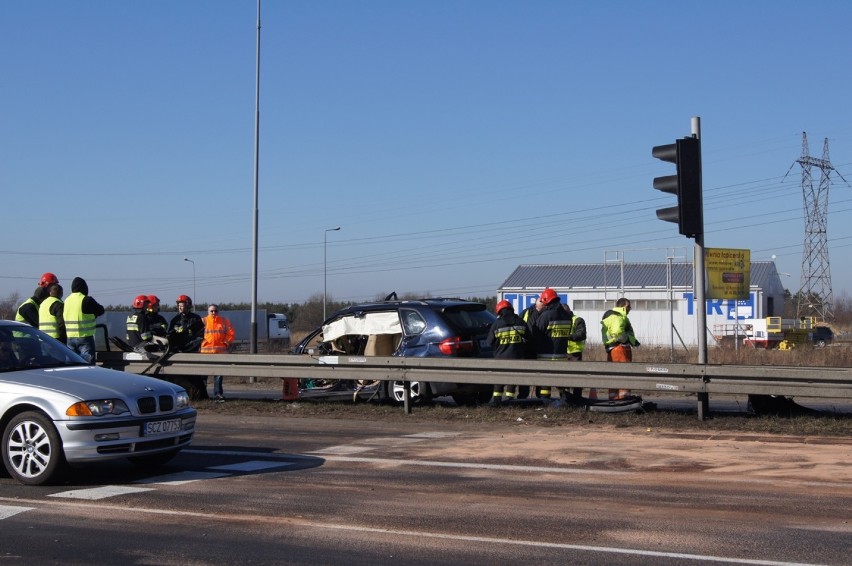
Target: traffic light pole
{"x": 685, "y": 153}
{"x": 700, "y": 299}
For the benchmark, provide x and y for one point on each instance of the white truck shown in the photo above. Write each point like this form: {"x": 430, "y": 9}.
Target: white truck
{"x": 274, "y": 336}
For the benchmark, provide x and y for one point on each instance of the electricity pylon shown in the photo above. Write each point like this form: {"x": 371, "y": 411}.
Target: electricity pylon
{"x": 815, "y": 297}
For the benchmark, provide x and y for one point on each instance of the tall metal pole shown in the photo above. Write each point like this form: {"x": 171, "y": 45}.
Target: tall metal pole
{"x": 194, "y": 296}
{"x": 253, "y": 334}
{"x": 698, "y": 290}
{"x": 700, "y": 301}
{"x": 325, "y": 267}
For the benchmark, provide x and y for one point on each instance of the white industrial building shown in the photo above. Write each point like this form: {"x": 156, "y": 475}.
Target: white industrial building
{"x": 662, "y": 304}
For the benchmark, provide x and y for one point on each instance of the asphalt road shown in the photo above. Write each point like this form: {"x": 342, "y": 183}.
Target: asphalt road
{"x": 271, "y": 490}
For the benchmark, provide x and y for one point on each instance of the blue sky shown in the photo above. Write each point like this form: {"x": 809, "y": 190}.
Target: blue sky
{"x": 450, "y": 140}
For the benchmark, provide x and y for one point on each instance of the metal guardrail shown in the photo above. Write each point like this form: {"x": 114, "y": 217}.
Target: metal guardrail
{"x": 816, "y": 382}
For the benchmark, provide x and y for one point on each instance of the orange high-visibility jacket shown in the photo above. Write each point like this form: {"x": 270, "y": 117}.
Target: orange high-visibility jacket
{"x": 218, "y": 335}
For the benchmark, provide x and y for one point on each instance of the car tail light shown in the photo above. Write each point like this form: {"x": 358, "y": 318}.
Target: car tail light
{"x": 455, "y": 346}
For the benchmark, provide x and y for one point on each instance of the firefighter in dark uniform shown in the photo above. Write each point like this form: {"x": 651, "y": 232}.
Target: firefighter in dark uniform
{"x": 508, "y": 336}
{"x": 186, "y": 329}
{"x": 550, "y": 335}
{"x": 138, "y": 332}
{"x": 156, "y": 322}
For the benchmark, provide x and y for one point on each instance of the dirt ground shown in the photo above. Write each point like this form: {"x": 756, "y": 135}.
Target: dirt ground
{"x": 813, "y": 446}
{"x": 766, "y": 456}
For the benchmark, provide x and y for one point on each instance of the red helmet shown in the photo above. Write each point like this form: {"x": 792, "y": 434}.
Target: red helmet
{"x": 154, "y": 300}
{"x": 140, "y": 301}
{"x": 184, "y": 299}
{"x": 548, "y": 296}
{"x": 47, "y": 280}
{"x": 504, "y": 304}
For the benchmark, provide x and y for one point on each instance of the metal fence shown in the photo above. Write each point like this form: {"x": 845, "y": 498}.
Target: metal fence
{"x": 703, "y": 380}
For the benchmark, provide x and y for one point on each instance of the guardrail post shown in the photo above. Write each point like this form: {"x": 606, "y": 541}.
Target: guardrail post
{"x": 703, "y": 406}
{"x": 406, "y": 396}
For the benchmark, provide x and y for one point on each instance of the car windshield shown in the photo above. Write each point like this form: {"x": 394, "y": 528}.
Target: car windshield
{"x": 24, "y": 347}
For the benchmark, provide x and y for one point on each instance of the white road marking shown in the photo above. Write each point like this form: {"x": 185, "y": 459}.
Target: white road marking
{"x": 435, "y": 434}
{"x": 427, "y": 463}
{"x": 251, "y": 466}
{"x": 344, "y": 449}
{"x": 421, "y": 534}
{"x": 477, "y": 466}
{"x": 582, "y": 547}
{"x": 388, "y": 441}
{"x": 180, "y": 478}
{"x": 7, "y": 511}
{"x": 100, "y": 492}
{"x": 308, "y": 456}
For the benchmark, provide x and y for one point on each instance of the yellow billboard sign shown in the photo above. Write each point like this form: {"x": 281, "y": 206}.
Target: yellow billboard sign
{"x": 728, "y": 273}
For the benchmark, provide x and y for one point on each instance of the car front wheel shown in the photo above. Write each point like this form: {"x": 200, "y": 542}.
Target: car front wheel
{"x": 32, "y": 450}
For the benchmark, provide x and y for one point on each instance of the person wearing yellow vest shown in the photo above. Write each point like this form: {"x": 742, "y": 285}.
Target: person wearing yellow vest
{"x": 50, "y": 314}
{"x": 81, "y": 310}
{"x": 28, "y": 311}
{"x": 576, "y": 345}
{"x": 218, "y": 335}
{"x": 618, "y": 339}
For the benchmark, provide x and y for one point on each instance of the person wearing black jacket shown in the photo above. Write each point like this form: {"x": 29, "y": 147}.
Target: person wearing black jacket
{"x": 186, "y": 329}
{"x": 550, "y": 335}
{"x": 139, "y": 332}
{"x": 156, "y": 322}
{"x": 28, "y": 311}
{"x": 80, "y": 313}
{"x": 508, "y": 337}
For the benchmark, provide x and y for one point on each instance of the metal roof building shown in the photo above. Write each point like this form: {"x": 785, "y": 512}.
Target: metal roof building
{"x": 663, "y": 310}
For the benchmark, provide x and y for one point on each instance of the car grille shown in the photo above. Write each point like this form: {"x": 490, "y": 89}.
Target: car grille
{"x": 144, "y": 446}
{"x": 148, "y": 405}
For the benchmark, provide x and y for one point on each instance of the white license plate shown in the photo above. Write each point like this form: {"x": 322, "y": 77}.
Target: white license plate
{"x": 162, "y": 427}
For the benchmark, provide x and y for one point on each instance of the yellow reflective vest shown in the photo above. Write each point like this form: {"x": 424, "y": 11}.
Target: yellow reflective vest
{"x": 77, "y": 323}
{"x": 47, "y": 322}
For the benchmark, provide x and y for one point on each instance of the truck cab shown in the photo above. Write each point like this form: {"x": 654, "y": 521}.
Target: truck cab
{"x": 279, "y": 330}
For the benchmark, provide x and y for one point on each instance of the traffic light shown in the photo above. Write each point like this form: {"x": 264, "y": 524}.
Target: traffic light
{"x": 689, "y": 212}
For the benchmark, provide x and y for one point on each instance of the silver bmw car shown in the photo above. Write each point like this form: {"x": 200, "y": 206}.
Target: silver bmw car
{"x": 56, "y": 410}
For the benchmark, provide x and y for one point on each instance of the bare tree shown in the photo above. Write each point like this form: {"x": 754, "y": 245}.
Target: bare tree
{"x": 9, "y": 306}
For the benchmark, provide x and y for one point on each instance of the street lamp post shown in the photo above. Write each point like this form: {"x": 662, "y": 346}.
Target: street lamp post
{"x": 325, "y": 267}
{"x": 194, "y": 297}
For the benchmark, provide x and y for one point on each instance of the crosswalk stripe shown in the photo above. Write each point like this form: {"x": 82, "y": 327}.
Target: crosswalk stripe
{"x": 251, "y": 466}
{"x": 7, "y": 511}
{"x": 180, "y": 478}
{"x": 101, "y": 492}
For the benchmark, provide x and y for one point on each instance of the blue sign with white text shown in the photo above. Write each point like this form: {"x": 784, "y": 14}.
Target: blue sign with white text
{"x": 729, "y": 308}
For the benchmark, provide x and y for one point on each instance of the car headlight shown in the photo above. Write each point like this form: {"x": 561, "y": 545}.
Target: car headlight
{"x": 97, "y": 408}
{"x": 181, "y": 400}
